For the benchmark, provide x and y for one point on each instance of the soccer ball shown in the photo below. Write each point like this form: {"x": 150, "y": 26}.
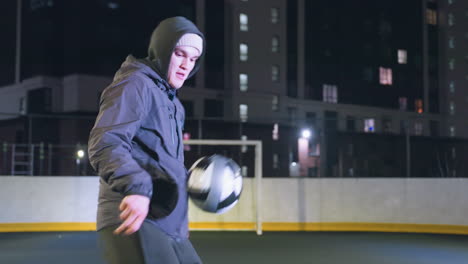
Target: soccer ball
{"x": 214, "y": 183}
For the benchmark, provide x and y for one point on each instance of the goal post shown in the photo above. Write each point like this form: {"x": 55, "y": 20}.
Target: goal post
{"x": 257, "y": 179}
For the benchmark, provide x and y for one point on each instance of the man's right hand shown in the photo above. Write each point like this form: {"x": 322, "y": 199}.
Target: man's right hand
{"x": 134, "y": 209}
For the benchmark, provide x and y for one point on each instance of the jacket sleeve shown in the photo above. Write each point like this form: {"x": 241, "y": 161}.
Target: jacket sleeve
{"x": 123, "y": 105}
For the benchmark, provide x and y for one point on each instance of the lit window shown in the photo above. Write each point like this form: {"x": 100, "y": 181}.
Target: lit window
{"x": 402, "y": 56}
{"x": 244, "y": 51}
{"x": 330, "y": 93}
{"x": 418, "y": 105}
{"x": 244, "y": 147}
{"x": 243, "y": 112}
{"x": 431, "y": 16}
{"x": 452, "y": 108}
{"x": 385, "y": 76}
{"x": 452, "y": 86}
{"x": 403, "y": 103}
{"x": 243, "y": 22}
{"x": 275, "y": 132}
{"x": 452, "y": 131}
{"x": 274, "y": 15}
{"x": 275, "y": 44}
{"x": 275, "y": 161}
{"x": 275, "y": 73}
{"x": 451, "y": 42}
{"x": 22, "y": 105}
{"x": 243, "y": 82}
{"x": 274, "y": 103}
{"x": 244, "y": 171}
{"x": 451, "y": 64}
{"x": 451, "y": 19}
{"x": 369, "y": 125}
{"x": 418, "y": 128}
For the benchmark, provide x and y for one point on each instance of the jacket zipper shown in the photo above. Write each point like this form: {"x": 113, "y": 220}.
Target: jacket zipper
{"x": 178, "y": 229}
{"x": 177, "y": 130}
{"x": 172, "y": 128}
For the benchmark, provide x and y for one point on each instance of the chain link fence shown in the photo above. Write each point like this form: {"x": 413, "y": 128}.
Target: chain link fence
{"x": 56, "y": 145}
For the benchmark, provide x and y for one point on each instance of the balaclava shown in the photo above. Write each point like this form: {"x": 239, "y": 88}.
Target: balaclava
{"x": 168, "y": 34}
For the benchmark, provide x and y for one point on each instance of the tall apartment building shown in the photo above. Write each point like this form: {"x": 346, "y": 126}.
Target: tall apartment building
{"x": 453, "y": 65}
{"x": 372, "y": 68}
{"x": 377, "y": 72}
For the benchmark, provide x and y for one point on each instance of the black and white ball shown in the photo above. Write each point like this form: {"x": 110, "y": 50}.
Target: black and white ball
{"x": 215, "y": 183}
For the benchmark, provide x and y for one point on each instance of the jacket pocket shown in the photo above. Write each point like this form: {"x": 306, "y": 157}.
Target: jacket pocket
{"x": 161, "y": 123}
{"x": 164, "y": 198}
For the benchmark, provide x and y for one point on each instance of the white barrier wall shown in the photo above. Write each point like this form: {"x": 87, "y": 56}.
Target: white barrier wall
{"x": 286, "y": 200}
{"x": 48, "y": 199}
{"x": 399, "y": 200}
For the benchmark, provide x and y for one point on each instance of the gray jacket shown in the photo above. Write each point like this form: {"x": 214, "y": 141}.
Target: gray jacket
{"x": 136, "y": 143}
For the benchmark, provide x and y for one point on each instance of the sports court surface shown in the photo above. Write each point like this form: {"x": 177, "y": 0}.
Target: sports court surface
{"x": 247, "y": 247}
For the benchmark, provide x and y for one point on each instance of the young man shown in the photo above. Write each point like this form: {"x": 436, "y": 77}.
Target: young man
{"x": 136, "y": 148}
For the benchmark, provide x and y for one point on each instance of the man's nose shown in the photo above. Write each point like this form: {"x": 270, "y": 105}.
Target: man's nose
{"x": 184, "y": 64}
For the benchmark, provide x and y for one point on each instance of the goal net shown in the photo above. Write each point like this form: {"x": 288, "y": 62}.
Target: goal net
{"x": 245, "y": 215}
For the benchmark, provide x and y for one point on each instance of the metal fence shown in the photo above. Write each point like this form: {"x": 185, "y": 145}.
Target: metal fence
{"x": 44, "y": 159}
{"x": 355, "y": 156}
{"x": 72, "y": 160}
{"x": 45, "y": 145}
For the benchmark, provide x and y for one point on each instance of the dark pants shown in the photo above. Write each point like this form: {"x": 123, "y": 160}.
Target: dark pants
{"x": 147, "y": 246}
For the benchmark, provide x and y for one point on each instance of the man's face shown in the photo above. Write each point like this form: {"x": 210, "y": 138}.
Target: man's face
{"x": 182, "y": 62}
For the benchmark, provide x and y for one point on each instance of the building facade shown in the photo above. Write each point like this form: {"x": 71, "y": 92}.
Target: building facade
{"x": 354, "y": 77}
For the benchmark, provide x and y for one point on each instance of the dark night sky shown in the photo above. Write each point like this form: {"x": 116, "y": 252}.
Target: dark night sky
{"x": 84, "y": 36}
{"x": 95, "y": 36}
{"x": 8, "y": 38}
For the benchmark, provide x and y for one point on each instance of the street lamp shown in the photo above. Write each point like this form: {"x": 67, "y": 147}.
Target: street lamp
{"x": 306, "y": 133}
{"x": 80, "y": 154}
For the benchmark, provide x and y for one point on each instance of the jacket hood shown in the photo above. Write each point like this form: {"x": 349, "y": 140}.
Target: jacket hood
{"x": 132, "y": 65}
{"x": 163, "y": 41}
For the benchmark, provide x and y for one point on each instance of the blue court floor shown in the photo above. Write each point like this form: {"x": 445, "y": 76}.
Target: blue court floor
{"x": 247, "y": 247}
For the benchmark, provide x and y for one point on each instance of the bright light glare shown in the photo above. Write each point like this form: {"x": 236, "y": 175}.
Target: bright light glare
{"x": 80, "y": 153}
{"x": 306, "y": 133}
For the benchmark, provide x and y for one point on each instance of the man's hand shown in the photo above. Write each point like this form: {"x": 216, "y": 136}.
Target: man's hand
{"x": 134, "y": 209}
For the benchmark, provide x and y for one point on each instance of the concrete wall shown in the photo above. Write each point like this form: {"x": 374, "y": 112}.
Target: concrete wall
{"x": 411, "y": 201}
{"x": 81, "y": 92}
{"x": 285, "y": 200}
{"x": 48, "y": 199}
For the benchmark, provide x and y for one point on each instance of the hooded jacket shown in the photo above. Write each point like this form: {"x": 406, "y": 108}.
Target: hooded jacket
{"x": 136, "y": 144}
